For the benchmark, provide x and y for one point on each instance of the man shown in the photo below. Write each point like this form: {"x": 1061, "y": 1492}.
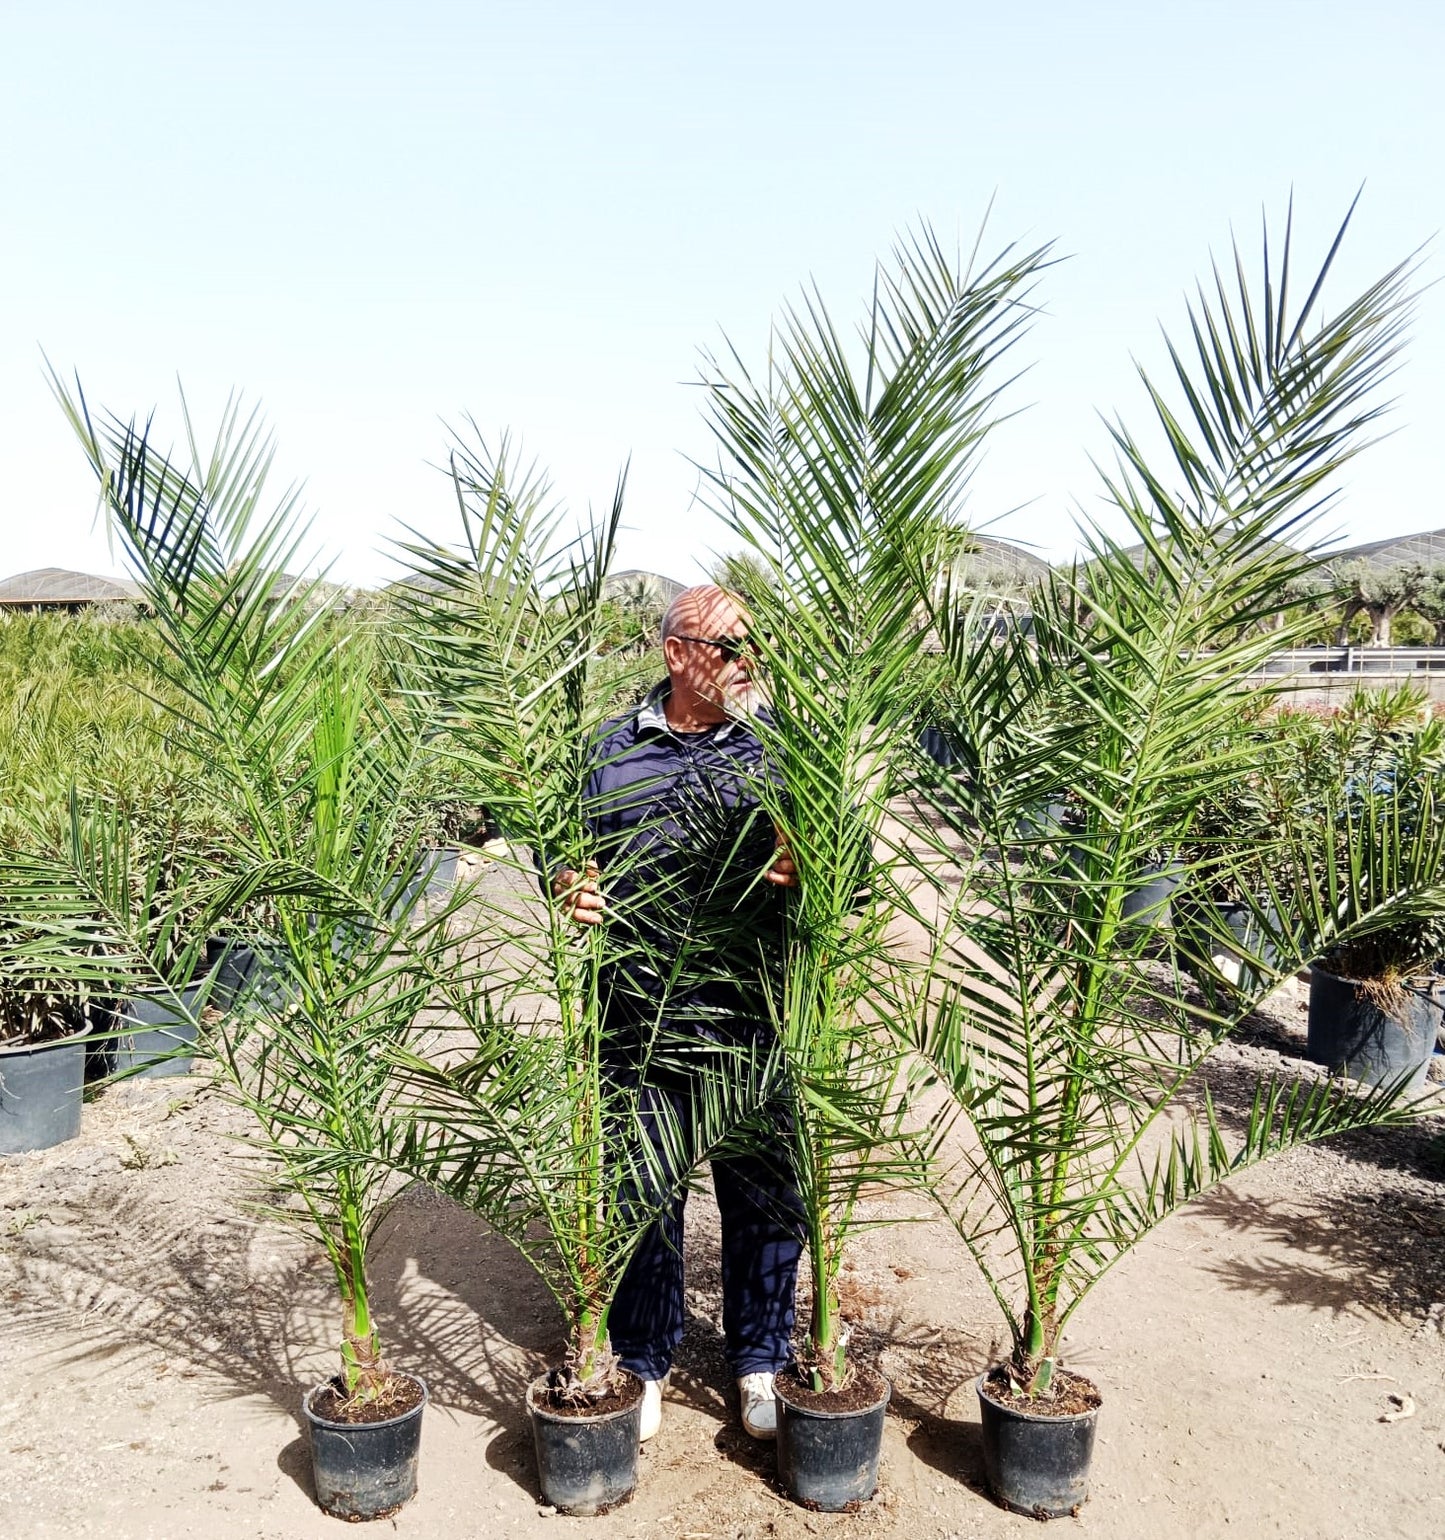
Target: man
{"x": 673, "y": 809}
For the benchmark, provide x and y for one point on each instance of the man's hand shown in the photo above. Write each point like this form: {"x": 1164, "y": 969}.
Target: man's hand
{"x": 581, "y": 897}
{"x": 782, "y": 873}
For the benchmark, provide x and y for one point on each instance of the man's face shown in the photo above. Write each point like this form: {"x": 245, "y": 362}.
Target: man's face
{"x": 699, "y": 659}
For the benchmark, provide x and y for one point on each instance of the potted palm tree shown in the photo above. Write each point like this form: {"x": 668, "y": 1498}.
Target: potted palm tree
{"x": 838, "y": 473}
{"x": 1354, "y": 787}
{"x": 277, "y": 688}
{"x": 1359, "y": 792}
{"x": 521, "y": 1121}
{"x": 1058, "y": 1048}
{"x": 45, "y": 1019}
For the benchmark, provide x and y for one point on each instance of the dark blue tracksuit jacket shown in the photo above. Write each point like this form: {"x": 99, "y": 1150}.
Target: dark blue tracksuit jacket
{"x": 683, "y": 844}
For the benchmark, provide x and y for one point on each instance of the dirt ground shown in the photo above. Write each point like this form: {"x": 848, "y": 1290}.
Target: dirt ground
{"x": 157, "y": 1339}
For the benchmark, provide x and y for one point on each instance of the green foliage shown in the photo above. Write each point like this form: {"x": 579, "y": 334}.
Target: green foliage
{"x": 840, "y": 474}
{"x": 1354, "y": 792}
{"x": 1058, "y": 1047}
{"x": 83, "y": 717}
{"x": 510, "y": 634}
{"x": 269, "y": 683}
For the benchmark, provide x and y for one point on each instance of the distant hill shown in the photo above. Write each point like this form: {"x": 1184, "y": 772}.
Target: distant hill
{"x": 658, "y": 589}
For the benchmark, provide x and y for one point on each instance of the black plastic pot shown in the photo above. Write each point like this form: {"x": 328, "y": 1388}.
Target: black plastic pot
{"x": 157, "y": 1035}
{"x": 936, "y": 746}
{"x": 252, "y": 981}
{"x": 1250, "y": 944}
{"x": 1148, "y": 904}
{"x": 1043, "y": 821}
{"x": 585, "y": 1465}
{"x": 1234, "y": 967}
{"x": 432, "y": 881}
{"x": 40, "y": 1093}
{"x": 225, "y": 963}
{"x": 439, "y": 870}
{"x": 1349, "y": 1032}
{"x": 365, "y": 1470}
{"x": 829, "y": 1460}
{"x": 1035, "y": 1465}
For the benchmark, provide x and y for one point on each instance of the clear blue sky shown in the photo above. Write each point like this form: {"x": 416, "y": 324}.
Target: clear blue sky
{"x": 376, "y": 217}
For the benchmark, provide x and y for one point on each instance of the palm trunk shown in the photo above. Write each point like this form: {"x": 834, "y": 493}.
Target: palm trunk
{"x": 361, "y": 1364}
{"x": 827, "y": 1340}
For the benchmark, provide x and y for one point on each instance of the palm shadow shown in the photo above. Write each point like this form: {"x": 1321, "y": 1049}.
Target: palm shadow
{"x": 470, "y": 1316}
{"x": 1383, "y": 1248}
{"x": 241, "y": 1307}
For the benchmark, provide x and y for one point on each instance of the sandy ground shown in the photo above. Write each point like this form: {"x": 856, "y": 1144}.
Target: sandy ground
{"x": 157, "y": 1338}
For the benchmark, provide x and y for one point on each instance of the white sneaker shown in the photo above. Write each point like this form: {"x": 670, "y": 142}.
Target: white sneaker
{"x": 760, "y": 1409}
{"x": 651, "y": 1419}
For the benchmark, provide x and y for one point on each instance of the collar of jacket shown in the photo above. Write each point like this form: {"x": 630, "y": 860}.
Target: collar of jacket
{"x": 652, "y": 716}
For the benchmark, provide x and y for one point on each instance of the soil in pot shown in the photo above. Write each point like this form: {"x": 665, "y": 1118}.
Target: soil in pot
{"x": 1037, "y": 1462}
{"x": 364, "y": 1454}
{"x": 1374, "y": 1033}
{"x": 41, "y": 1086}
{"x": 829, "y": 1441}
{"x": 586, "y": 1454}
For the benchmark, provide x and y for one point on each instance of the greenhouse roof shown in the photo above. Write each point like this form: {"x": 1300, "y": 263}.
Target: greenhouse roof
{"x": 665, "y": 588}
{"x": 1426, "y": 548}
{"x": 56, "y": 586}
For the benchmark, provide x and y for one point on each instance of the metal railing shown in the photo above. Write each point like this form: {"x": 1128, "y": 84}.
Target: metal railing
{"x": 1355, "y": 660}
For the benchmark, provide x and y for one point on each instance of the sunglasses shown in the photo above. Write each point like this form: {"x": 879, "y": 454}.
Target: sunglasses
{"x": 731, "y": 647}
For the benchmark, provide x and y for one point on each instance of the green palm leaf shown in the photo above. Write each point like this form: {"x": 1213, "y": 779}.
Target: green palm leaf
{"x": 1058, "y": 1045}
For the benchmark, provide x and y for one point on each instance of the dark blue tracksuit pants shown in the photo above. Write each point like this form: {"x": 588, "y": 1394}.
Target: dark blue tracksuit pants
{"x": 762, "y": 1230}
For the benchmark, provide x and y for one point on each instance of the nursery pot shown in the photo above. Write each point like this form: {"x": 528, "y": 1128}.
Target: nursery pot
{"x": 253, "y": 981}
{"x": 40, "y": 1093}
{"x": 829, "y": 1460}
{"x": 365, "y": 1470}
{"x": 226, "y": 962}
{"x": 1244, "y": 927}
{"x": 432, "y": 882}
{"x": 1035, "y": 1465}
{"x": 936, "y": 746}
{"x": 157, "y": 1035}
{"x": 1043, "y": 821}
{"x": 1148, "y": 904}
{"x": 1243, "y": 962}
{"x": 586, "y": 1464}
{"x": 1371, "y": 1042}
{"x": 439, "y": 870}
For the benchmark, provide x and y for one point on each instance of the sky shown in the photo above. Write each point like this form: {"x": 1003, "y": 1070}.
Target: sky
{"x": 380, "y": 221}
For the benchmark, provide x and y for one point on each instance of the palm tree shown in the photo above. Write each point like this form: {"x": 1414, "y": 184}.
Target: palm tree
{"x": 1059, "y": 1046}
{"x": 274, "y": 686}
{"x": 519, "y": 1121}
{"x": 840, "y": 474}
